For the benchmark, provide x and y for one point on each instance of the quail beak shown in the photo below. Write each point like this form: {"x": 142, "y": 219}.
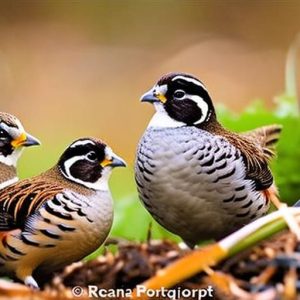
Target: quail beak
{"x": 114, "y": 161}
{"x": 152, "y": 97}
{"x": 25, "y": 140}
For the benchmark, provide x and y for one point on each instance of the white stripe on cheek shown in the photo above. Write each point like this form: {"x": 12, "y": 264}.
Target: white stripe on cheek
{"x": 101, "y": 184}
{"x": 71, "y": 161}
{"x": 202, "y": 105}
{"x": 12, "y": 131}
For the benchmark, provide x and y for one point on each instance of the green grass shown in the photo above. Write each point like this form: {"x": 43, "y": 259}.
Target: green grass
{"x": 286, "y": 166}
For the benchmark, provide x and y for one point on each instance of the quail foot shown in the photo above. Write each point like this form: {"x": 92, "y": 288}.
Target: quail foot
{"x": 13, "y": 138}
{"x": 196, "y": 178}
{"x": 60, "y": 216}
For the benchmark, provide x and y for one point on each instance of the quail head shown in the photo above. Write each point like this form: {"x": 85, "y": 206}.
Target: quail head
{"x": 60, "y": 216}
{"x": 196, "y": 178}
{"x": 13, "y": 138}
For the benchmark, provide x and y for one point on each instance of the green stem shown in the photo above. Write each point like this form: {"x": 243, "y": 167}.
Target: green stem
{"x": 261, "y": 234}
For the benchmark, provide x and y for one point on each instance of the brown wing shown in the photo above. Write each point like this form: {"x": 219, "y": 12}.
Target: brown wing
{"x": 256, "y": 164}
{"x": 259, "y": 172}
{"x": 266, "y": 137}
{"x": 257, "y": 148}
{"x": 20, "y": 200}
{"x": 256, "y": 155}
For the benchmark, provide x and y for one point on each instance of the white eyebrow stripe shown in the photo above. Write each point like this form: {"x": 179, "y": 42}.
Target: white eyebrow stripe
{"x": 81, "y": 143}
{"x": 14, "y": 132}
{"x": 194, "y": 81}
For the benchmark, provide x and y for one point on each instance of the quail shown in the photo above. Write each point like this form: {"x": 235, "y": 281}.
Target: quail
{"x": 196, "y": 178}
{"x": 13, "y": 138}
{"x": 60, "y": 216}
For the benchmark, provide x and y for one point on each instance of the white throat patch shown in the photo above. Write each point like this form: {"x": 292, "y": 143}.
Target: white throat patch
{"x": 161, "y": 119}
{"x": 12, "y": 159}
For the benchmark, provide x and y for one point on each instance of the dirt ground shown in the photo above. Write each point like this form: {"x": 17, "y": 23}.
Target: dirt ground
{"x": 269, "y": 271}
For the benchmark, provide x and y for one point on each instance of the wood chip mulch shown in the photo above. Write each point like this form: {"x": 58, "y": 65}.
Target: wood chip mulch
{"x": 269, "y": 271}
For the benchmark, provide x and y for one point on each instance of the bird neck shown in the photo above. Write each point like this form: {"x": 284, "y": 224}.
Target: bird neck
{"x": 213, "y": 126}
{"x": 8, "y": 175}
{"x": 54, "y": 175}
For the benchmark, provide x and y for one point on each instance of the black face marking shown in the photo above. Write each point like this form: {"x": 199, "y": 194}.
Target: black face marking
{"x": 178, "y": 105}
{"x": 88, "y": 168}
{"x": 86, "y": 171}
{"x": 185, "y": 111}
{"x": 5, "y": 143}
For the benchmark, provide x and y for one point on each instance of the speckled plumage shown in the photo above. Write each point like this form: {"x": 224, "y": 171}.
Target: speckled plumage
{"x": 198, "y": 179}
{"x": 59, "y": 219}
{"x": 193, "y": 183}
{"x": 7, "y": 173}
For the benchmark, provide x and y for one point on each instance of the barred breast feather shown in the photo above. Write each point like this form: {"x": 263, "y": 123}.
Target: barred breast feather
{"x": 40, "y": 219}
{"x": 194, "y": 183}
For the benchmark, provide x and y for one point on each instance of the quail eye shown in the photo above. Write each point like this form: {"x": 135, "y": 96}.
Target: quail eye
{"x": 3, "y": 134}
{"x": 179, "y": 94}
{"x": 92, "y": 156}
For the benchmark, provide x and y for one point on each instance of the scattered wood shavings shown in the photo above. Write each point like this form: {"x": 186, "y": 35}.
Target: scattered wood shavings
{"x": 268, "y": 271}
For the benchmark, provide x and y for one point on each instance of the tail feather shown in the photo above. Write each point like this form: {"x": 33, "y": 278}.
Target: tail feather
{"x": 267, "y": 137}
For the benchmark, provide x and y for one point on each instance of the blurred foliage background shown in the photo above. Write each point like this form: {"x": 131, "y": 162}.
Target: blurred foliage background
{"x": 77, "y": 68}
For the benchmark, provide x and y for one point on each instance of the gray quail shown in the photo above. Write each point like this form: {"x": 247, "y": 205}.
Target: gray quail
{"x": 196, "y": 178}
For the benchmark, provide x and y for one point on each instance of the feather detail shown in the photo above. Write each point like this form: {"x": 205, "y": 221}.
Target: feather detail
{"x": 257, "y": 148}
{"x": 266, "y": 137}
{"x": 22, "y": 199}
{"x": 256, "y": 163}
